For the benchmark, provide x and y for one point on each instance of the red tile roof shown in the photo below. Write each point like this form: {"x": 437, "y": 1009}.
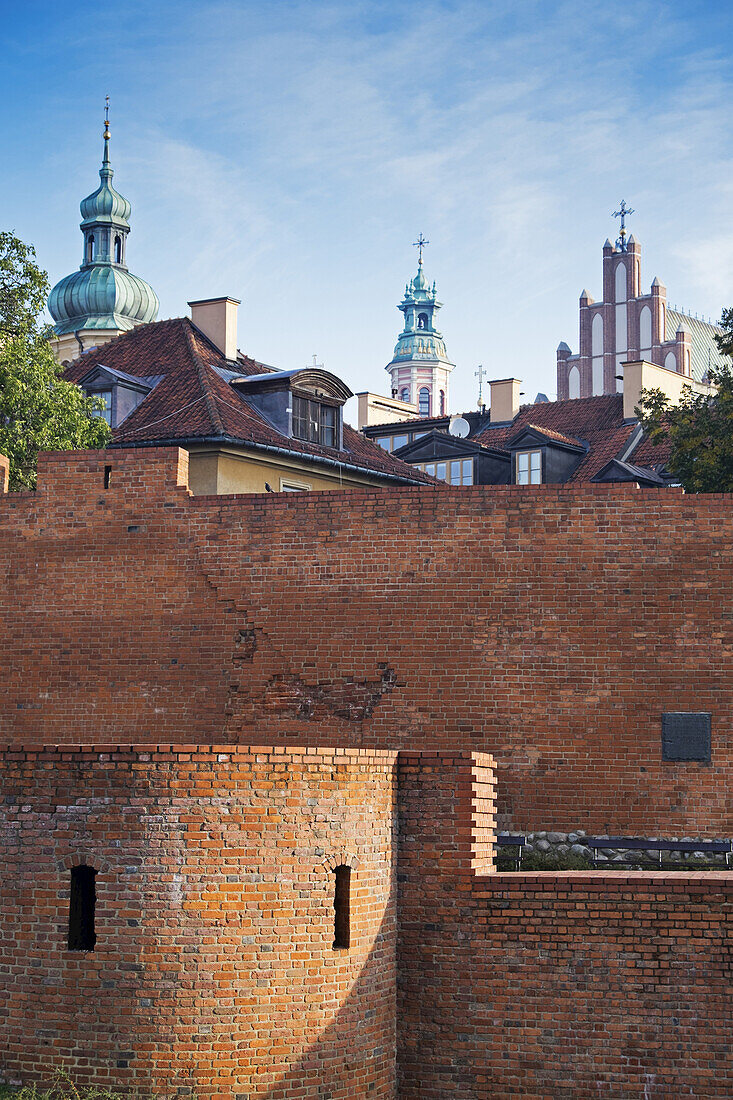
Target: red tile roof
{"x": 193, "y": 401}
{"x": 598, "y": 421}
{"x": 550, "y": 434}
{"x": 647, "y": 454}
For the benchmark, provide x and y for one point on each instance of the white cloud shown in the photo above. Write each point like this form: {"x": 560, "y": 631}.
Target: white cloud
{"x": 290, "y": 152}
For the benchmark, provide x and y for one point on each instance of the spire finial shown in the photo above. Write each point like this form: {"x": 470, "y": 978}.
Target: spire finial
{"x": 419, "y": 244}
{"x": 106, "y": 170}
{"x": 622, "y": 213}
{"x": 480, "y": 374}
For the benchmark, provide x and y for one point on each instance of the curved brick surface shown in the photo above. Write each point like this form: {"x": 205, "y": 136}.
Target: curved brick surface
{"x": 213, "y": 973}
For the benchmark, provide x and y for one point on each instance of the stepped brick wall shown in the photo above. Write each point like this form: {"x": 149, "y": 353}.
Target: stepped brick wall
{"x": 550, "y": 627}
{"x": 573, "y": 984}
{"x": 214, "y": 973}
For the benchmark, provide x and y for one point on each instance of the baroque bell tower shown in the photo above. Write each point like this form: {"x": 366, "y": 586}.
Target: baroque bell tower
{"x": 420, "y": 367}
{"x": 103, "y": 298}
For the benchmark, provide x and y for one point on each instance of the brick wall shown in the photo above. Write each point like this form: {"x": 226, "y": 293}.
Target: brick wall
{"x": 551, "y": 628}
{"x": 214, "y": 973}
{"x": 577, "y": 984}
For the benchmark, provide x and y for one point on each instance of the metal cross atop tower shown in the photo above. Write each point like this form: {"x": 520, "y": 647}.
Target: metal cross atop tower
{"x": 480, "y": 374}
{"x": 420, "y": 244}
{"x": 106, "y": 116}
{"x": 622, "y": 213}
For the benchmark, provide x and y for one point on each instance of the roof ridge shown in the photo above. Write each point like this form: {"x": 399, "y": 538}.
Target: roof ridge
{"x": 201, "y": 369}
{"x": 98, "y": 348}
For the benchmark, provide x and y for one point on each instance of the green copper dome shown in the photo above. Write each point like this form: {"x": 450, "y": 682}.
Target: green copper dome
{"x": 419, "y": 339}
{"x": 103, "y": 294}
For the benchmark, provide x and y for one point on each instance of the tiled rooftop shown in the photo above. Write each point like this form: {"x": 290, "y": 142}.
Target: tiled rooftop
{"x": 597, "y": 421}
{"x": 193, "y": 401}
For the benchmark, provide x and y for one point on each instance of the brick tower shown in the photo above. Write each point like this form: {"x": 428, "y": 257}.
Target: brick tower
{"x": 628, "y": 325}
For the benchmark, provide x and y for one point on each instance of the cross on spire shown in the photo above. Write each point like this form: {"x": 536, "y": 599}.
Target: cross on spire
{"x": 480, "y": 374}
{"x": 420, "y": 244}
{"x": 622, "y": 213}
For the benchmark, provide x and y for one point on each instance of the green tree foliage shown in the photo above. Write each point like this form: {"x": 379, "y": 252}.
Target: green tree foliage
{"x": 699, "y": 430}
{"x": 725, "y": 342}
{"x": 39, "y": 411}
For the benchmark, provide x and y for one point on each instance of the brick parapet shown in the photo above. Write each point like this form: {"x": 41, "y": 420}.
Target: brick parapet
{"x": 548, "y": 984}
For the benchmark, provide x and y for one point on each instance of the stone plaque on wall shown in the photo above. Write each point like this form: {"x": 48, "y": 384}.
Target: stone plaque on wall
{"x": 686, "y": 736}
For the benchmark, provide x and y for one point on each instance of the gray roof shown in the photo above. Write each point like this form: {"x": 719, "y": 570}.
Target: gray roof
{"x": 703, "y": 340}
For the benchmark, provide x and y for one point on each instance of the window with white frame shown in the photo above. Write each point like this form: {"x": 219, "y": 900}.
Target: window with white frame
{"x": 293, "y": 486}
{"x": 456, "y": 471}
{"x": 105, "y": 413}
{"x": 528, "y": 466}
{"x": 392, "y": 442}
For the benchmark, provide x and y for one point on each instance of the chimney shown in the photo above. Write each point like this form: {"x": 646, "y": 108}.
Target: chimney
{"x": 217, "y": 319}
{"x": 504, "y": 400}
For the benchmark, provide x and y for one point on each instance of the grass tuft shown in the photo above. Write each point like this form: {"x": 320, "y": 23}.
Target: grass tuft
{"x": 63, "y": 1088}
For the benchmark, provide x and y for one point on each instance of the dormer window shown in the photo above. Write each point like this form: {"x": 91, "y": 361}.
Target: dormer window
{"x": 106, "y": 412}
{"x": 119, "y": 392}
{"x": 90, "y": 248}
{"x": 315, "y": 421}
{"x": 528, "y": 467}
{"x": 300, "y": 404}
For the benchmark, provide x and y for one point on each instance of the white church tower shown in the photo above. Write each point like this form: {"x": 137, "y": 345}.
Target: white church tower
{"x": 420, "y": 367}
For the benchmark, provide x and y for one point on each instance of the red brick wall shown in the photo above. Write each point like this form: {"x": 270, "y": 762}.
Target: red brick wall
{"x": 578, "y": 984}
{"x": 213, "y": 973}
{"x": 549, "y": 627}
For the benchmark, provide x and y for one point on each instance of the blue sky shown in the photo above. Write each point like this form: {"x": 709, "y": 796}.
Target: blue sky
{"x": 288, "y": 153}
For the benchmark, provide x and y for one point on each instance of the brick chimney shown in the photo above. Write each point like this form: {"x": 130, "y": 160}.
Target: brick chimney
{"x": 217, "y": 319}
{"x": 504, "y": 399}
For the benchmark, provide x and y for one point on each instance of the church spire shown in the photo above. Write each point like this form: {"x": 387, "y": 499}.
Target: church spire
{"x": 420, "y": 366}
{"x": 103, "y": 297}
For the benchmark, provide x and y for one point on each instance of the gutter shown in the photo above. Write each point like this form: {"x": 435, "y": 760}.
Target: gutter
{"x": 315, "y": 459}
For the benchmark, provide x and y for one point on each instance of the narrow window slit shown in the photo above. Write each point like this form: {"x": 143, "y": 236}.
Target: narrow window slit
{"x": 107, "y": 476}
{"x": 342, "y": 908}
{"x": 82, "y": 901}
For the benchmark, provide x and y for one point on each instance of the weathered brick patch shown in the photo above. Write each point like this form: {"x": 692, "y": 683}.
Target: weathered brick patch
{"x": 552, "y": 629}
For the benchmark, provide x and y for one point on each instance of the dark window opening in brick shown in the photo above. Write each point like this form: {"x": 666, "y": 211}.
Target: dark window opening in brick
{"x": 342, "y": 908}
{"x": 82, "y": 901}
{"x": 107, "y": 476}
